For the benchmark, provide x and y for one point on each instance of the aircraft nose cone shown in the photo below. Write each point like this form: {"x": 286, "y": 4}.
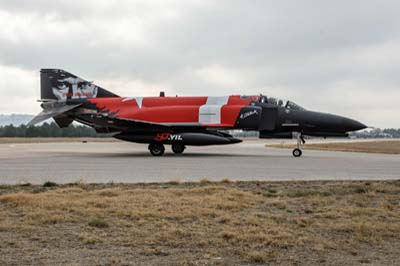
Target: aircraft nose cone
{"x": 352, "y": 125}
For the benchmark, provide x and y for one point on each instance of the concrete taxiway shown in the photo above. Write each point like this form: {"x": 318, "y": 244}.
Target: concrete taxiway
{"x": 128, "y": 162}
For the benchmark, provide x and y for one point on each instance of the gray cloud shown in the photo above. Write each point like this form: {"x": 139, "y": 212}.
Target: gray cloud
{"x": 316, "y": 52}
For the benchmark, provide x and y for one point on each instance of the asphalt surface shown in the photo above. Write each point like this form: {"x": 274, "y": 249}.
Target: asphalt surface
{"x": 128, "y": 162}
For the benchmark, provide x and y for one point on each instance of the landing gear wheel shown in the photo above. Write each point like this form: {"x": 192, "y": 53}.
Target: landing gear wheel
{"x": 156, "y": 149}
{"x": 297, "y": 153}
{"x": 178, "y": 148}
{"x": 300, "y": 142}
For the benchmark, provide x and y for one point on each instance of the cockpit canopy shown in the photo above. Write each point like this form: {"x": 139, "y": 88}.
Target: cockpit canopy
{"x": 275, "y": 101}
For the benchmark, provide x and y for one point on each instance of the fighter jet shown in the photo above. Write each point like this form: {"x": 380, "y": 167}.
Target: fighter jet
{"x": 181, "y": 121}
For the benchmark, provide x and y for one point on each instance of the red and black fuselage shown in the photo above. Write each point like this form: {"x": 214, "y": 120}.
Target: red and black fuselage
{"x": 183, "y": 120}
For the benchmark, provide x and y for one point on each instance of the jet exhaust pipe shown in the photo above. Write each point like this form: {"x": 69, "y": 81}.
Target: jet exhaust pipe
{"x": 191, "y": 139}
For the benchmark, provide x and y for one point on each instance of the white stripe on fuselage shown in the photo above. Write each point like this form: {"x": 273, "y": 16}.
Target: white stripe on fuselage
{"x": 210, "y": 113}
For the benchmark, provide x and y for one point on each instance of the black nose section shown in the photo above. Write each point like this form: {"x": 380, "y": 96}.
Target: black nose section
{"x": 348, "y": 124}
{"x": 322, "y": 122}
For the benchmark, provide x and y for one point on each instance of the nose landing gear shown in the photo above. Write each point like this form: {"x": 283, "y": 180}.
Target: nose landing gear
{"x": 300, "y": 142}
{"x": 297, "y": 152}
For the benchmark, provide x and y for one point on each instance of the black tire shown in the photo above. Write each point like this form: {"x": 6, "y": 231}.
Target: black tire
{"x": 156, "y": 149}
{"x": 297, "y": 153}
{"x": 178, "y": 148}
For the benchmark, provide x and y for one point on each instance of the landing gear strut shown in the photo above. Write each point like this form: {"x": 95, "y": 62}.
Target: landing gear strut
{"x": 156, "y": 149}
{"x": 178, "y": 148}
{"x": 300, "y": 142}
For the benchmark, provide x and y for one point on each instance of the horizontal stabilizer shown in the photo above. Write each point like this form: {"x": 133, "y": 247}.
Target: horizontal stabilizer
{"x": 51, "y": 112}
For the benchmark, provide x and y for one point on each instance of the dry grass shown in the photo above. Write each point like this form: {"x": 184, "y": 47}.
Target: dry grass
{"x": 203, "y": 223}
{"x": 381, "y": 146}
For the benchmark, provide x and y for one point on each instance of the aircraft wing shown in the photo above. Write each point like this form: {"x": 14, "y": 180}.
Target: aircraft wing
{"x": 51, "y": 112}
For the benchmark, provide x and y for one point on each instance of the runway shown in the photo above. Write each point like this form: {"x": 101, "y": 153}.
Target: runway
{"x": 128, "y": 162}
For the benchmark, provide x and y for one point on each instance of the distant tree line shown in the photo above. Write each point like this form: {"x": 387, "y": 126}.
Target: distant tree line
{"x": 47, "y": 130}
{"x": 378, "y": 133}
{"x": 52, "y": 130}
{"x": 394, "y": 133}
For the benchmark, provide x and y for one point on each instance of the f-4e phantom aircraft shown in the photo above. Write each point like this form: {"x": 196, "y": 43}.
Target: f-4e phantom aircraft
{"x": 180, "y": 121}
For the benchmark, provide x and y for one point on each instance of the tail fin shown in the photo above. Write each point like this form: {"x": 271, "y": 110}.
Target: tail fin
{"x": 59, "y": 85}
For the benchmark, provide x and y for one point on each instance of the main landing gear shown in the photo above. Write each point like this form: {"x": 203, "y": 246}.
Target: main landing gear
{"x": 178, "y": 148}
{"x": 158, "y": 149}
{"x": 300, "y": 142}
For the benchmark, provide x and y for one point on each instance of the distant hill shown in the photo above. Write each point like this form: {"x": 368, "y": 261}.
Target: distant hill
{"x": 14, "y": 119}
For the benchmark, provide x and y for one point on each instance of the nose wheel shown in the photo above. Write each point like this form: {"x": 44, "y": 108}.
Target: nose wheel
{"x": 297, "y": 153}
{"x": 300, "y": 143}
{"x": 156, "y": 149}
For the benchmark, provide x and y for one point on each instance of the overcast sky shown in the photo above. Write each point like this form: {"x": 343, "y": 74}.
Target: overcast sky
{"x": 339, "y": 56}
